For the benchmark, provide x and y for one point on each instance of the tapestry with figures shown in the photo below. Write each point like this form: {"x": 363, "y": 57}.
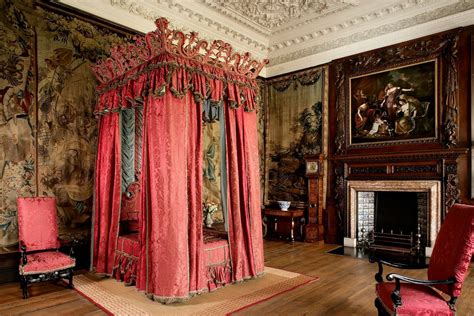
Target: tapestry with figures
{"x": 294, "y": 129}
{"x": 47, "y": 129}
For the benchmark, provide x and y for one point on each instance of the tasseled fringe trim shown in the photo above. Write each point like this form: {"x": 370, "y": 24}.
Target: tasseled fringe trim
{"x": 219, "y": 275}
{"x": 245, "y": 279}
{"x": 125, "y": 269}
{"x": 223, "y": 276}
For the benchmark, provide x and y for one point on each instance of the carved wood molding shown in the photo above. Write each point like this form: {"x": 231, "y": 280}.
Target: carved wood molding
{"x": 452, "y": 191}
{"x": 340, "y": 196}
{"x": 443, "y": 47}
{"x": 452, "y": 153}
{"x": 340, "y": 109}
{"x": 451, "y": 88}
{"x": 425, "y": 165}
{"x": 400, "y": 55}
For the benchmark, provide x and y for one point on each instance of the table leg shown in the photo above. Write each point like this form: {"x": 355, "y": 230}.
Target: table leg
{"x": 302, "y": 223}
{"x": 292, "y": 237}
{"x": 265, "y": 226}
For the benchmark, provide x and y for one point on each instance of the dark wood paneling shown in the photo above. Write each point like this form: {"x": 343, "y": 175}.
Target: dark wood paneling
{"x": 9, "y": 266}
{"x": 443, "y": 159}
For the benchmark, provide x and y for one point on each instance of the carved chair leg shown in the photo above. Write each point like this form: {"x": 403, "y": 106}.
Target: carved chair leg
{"x": 70, "y": 285}
{"x": 24, "y": 286}
{"x": 380, "y": 309}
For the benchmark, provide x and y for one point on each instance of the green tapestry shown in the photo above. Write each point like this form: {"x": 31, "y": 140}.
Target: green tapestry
{"x": 294, "y": 129}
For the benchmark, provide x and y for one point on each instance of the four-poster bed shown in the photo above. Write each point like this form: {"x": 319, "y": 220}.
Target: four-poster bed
{"x": 148, "y": 204}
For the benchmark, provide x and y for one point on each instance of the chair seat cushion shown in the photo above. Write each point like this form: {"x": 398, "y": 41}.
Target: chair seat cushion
{"x": 46, "y": 262}
{"x": 416, "y": 300}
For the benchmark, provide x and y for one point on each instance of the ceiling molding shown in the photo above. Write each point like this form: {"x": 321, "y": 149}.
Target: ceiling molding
{"x": 325, "y": 56}
{"x": 141, "y": 10}
{"x": 358, "y": 21}
{"x": 376, "y": 32}
{"x": 300, "y": 37}
{"x": 273, "y": 17}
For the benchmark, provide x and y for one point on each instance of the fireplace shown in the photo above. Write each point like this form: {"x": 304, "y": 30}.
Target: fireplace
{"x": 395, "y": 209}
{"x": 394, "y": 221}
{"x": 396, "y": 212}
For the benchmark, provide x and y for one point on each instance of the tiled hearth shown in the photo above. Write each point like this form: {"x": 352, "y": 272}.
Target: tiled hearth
{"x": 361, "y": 206}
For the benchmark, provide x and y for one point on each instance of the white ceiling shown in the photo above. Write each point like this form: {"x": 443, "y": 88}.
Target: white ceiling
{"x": 293, "y": 34}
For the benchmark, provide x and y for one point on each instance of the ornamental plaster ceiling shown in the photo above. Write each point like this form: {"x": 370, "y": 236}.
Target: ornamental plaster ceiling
{"x": 292, "y": 34}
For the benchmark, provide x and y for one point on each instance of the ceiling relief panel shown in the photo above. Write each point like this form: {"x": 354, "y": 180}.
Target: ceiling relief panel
{"x": 292, "y": 34}
{"x": 268, "y": 16}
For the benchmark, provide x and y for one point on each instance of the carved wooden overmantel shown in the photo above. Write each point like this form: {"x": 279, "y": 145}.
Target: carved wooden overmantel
{"x": 421, "y": 159}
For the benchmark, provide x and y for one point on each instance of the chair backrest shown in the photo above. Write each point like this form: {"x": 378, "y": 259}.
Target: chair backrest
{"x": 453, "y": 248}
{"x": 37, "y": 223}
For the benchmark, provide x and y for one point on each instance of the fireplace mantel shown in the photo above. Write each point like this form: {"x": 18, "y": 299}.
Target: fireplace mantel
{"x": 424, "y": 165}
{"x": 401, "y": 156}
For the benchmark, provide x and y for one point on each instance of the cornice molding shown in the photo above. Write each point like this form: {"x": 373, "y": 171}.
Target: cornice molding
{"x": 313, "y": 39}
{"x": 375, "y": 32}
{"x": 138, "y": 9}
{"x": 308, "y": 21}
{"x": 358, "y": 21}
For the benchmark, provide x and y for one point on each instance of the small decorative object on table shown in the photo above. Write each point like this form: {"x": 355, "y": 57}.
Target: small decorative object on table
{"x": 209, "y": 209}
{"x": 284, "y": 205}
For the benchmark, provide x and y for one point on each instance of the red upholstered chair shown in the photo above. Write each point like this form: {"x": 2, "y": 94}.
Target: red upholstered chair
{"x": 447, "y": 269}
{"x": 38, "y": 234}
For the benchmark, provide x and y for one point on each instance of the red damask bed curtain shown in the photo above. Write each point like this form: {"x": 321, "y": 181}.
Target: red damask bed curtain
{"x": 107, "y": 193}
{"x": 169, "y": 74}
{"x": 245, "y": 229}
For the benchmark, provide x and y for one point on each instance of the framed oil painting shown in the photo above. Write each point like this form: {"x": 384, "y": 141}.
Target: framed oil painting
{"x": 395, "y": 105}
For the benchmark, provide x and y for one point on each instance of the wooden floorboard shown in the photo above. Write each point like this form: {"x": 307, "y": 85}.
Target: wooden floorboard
{"x": 345, "y": 287}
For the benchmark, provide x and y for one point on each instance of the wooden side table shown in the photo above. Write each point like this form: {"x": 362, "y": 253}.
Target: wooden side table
{"x": 275, "y": 214}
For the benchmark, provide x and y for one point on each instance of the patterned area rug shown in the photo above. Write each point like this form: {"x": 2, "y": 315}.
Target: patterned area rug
{"x": 115, "y": 298}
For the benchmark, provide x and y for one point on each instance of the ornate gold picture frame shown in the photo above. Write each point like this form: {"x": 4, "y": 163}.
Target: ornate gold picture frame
{"x": 396, "y": 105}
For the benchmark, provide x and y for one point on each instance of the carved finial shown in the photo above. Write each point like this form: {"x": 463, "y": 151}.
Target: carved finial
{"x": 161, "y": 23}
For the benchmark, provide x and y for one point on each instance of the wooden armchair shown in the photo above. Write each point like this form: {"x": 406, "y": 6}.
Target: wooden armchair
{"x": 447, "y": 270}
{"x": 39, "y": 244}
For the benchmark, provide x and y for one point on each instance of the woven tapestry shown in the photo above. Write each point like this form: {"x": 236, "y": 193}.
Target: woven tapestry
{"x": 294, "y": 129}
{"x": 47, "y": 130}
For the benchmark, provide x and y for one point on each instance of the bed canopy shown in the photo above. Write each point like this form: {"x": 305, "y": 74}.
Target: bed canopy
{"x": 161, "y": 83}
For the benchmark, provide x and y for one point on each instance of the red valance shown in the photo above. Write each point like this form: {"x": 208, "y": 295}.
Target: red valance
{"x": 169, "y": 59}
